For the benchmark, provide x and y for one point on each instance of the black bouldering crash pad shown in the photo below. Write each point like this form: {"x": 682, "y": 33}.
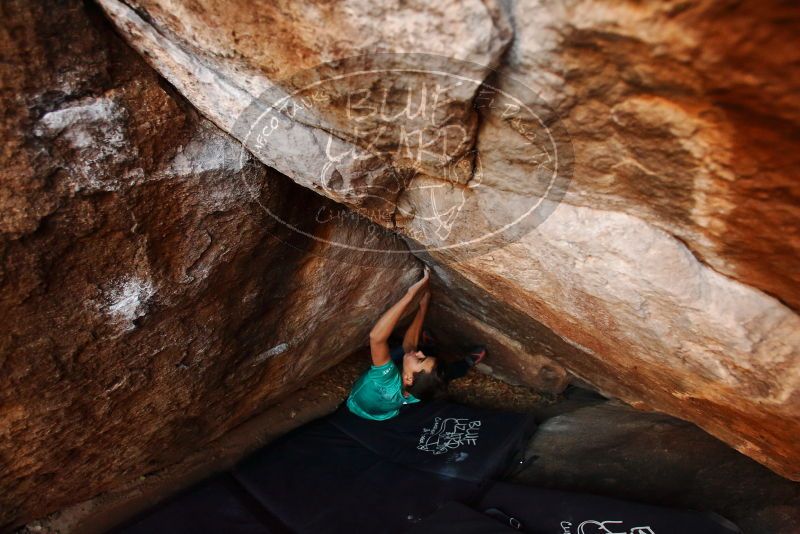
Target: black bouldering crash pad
{"x": 456, "y": 518}
{"x": 545, "y": 511}
{"x": 445, "y": 438}
{"x": 433, "y": 468}
{"x": 346, "y": 474}
{"x": 321, "y": 480}
{"x": 216, "y": 505}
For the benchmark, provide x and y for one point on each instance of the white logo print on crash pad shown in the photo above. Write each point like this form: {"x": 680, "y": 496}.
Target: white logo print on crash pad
{"x": 449, "y": 434}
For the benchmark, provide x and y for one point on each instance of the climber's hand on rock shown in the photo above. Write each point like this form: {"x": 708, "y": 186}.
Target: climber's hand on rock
{"x": 426, "y": 276}
{"x": 422, "y": 283}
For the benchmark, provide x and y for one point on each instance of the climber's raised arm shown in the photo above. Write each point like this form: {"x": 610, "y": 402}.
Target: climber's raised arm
{"x": 411, "y": 338}
{"x": 379, "y": 335}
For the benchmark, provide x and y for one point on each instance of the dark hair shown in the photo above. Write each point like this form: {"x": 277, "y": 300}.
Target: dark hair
{"x": 427, "y": 384}
{"x": 428, "y": 350}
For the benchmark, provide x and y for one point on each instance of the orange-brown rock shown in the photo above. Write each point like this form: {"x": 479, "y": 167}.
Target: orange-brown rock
{"x": 661, "y": 265}
{"x": 148, "y": 301}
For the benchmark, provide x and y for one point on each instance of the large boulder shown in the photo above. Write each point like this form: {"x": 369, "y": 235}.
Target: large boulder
{"x": 606, "y": 448}
{"x": 647, "y": 149}
{"x": 150, "y": 298}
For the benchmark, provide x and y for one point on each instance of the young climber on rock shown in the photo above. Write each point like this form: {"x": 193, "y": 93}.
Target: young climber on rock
{"x": 406, "y": 373}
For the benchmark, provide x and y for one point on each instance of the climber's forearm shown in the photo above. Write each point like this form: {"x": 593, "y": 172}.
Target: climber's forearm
{"x": 379, "y": 335}
{"x": 385, "y": 325}
{"x": 411, "y": 338}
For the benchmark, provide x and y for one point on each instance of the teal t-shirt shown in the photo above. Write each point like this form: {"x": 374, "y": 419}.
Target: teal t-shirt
{"x": 378, "y": 393}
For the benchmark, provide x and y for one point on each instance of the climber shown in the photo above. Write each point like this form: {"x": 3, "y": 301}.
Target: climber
{"x": 409, "y": 372}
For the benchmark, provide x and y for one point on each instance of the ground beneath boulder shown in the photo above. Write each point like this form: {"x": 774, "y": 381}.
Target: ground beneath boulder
{"x": 589, "y": 444}
{"x": 584, "y": 443}
{"x": 483, "y": 391}
{"x": 611, "y": 449}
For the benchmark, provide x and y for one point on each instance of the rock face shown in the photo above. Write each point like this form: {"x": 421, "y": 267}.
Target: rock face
{"x": 610, "y": 449}
{"x": 602, "y": 188}
{"x": 149, "y": 303}
{"x": 647, "y": 148}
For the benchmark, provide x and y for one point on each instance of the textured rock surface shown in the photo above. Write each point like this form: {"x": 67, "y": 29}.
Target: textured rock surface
{"x": 456, "y": 324}
{"x": 667, "y": 274}
{"x": 610, "y": 449}
{"x": 148, "y": 303}
{"x": 109, "y": 510}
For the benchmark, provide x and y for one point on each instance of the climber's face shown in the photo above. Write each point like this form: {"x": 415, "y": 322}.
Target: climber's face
{"x": 416, "y": 362}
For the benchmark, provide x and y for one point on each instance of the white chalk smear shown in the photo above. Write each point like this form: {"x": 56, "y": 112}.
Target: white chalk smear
{"x": 127, "y": 300}
{"x": 274, "y": 351}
